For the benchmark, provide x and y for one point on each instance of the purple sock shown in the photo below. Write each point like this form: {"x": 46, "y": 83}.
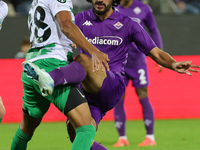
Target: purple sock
{"x": 148, "y": 115}
{"x": 73, "y": 73}
{"x": 120, "y": 118}
{"x": 97, "y": 146}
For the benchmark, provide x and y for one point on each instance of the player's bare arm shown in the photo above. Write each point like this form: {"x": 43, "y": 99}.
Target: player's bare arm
{"x": 167, "y": 61}
{"x": 99, "y": 59}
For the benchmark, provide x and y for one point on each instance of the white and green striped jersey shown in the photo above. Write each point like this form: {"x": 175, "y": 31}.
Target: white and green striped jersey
{"x": 46, "y": 37}
{"x": 3, "y": 12}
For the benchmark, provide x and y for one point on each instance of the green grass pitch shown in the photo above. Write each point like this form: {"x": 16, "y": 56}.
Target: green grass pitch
{"x": 183, "y": 134}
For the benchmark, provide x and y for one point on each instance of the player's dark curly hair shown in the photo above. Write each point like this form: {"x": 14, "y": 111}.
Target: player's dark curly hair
{"x": 115, "y": 2}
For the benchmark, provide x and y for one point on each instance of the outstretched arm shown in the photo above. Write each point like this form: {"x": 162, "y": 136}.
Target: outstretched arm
{"x": 166, "y": 60}
{"x": 73, "y": 33}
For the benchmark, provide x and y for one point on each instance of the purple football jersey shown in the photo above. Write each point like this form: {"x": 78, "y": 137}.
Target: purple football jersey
{"x": 114, "y": 36}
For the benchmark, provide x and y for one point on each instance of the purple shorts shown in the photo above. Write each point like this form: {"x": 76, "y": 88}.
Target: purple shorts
{"x": 111, "y": 92}
{"x": 138, "y": 75}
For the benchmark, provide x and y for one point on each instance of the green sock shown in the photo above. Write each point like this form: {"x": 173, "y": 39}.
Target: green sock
{"x": 20, "y": 140}
{"x": 84, "y": 137}
{"x": 1, "y": 119}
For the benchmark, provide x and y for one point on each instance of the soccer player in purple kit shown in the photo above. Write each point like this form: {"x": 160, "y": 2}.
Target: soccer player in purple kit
{"x": 112, "y": 33}
{"x": 136, "y": 71}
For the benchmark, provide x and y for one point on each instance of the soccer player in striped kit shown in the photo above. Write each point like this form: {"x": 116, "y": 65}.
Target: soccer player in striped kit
{"x": 52, "y": 31}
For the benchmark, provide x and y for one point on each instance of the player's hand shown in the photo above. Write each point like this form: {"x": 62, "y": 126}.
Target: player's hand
{"x": 99, "y": 60}
{"x": 185, "y": 67}
{"x": 160, "y": 68}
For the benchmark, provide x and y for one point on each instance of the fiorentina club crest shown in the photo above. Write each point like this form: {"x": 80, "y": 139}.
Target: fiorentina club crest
{"x": 137, "y": 10}
{"x": 118, "y": 25}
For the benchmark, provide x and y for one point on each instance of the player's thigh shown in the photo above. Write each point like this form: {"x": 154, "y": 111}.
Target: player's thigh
{"x": 112, "y": 90}
{"x": 33, "y": 102}
{"x": 77, "y": 109}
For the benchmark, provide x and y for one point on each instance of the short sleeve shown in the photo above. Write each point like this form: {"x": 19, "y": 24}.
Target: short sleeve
{"x": 3, "y": 10}
{"x": 60, "y": 5}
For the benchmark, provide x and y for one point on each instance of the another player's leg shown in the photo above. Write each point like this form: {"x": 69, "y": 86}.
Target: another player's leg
{"x": 78, "y": 113}
{"x": 25, "y": 132}
{"x": 92, "y": 83}
{"x": 2, "y": 110}
{"x": 34, "y": 108}
{"x": 73, "y": 73}
{"x": 72, "y": 135}
{"x": 120, "y": 123}
{"x": 81, "y": 126}
{"x": 85, "y": 131}
{"x": 148, "y": 117}
{"x": 98, "y": 84}
{"x": 96, "y": 118}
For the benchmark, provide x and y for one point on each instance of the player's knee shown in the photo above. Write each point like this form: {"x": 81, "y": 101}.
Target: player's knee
{"x": 80, "y": 57}
{"x": 142, "y": 92}
{"x": 84, "y": 60}
{"x": 142, "y": 95}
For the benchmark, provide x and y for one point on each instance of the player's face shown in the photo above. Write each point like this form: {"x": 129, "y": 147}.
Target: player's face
{"x": 101, "y": 7}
